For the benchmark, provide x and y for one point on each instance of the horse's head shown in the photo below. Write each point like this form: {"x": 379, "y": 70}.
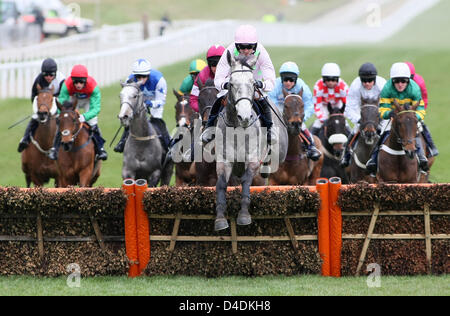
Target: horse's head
{"x": 131, "y": 103}
{"x": 206, "y": 97}
{"x": 294, "y": 111}
{"x": 69, "y": 124}
{"x": 335, "y": 130}
{"x": 370, "y": 118}
{"x": 44, "y": 104}
{"x": 404, "y": 126}
{"x": 241, "y": 87}
{"x": 184, "y": 114}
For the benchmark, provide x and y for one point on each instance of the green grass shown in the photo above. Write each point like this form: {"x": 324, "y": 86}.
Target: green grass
{"x": 118, "y": 12}
{"x": 228, "y": 286}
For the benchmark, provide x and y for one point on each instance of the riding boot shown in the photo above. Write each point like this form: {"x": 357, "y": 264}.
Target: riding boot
{"x": 311, "y": 151}
{"x": 423, "y": 161}
{"x": 121, "y": 144}
{"x": 345, "y": 162}
{"x": 266, "y": 117}
{"x": 53, "y": 152}
{"x": 372, "y": 163}
{"x": 99, "y": 142}
{"x": 208, "y": 134}
{"x": 427, "y": 136}
{"x": 29, "y": 131}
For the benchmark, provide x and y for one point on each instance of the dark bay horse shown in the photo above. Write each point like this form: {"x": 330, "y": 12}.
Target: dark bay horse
{"x": 297, "y": 169}
{"x": 244, "y": 157}
{"x": 36, "y": 165}
{"x": 368, "y": 139}
{"x": 76, "y": 159}
{"x": 185, "y": 117}
{"x": 143, "y": 155}
{"x": 397, "y": 161}
{"x": 333, "y": 136}
{"x": 206, "y": 174}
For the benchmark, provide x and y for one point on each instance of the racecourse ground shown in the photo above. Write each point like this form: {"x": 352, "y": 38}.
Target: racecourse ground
{"x": 230, "y": 286}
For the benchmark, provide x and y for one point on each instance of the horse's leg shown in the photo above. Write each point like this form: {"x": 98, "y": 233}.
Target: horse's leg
{"x": 166, "y": 174}
{"x": 153, "y": 179}
{"x": 244, "y": 217}
{"x": 223, "y": 175}
{"x": 85, "y": 176}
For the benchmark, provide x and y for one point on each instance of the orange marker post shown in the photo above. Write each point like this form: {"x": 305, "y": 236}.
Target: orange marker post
{"x": 143, "y": 230}
{"x": 324, "y": 225}
{"x": 335, "y": 227}
{"x": 131, "y": 243}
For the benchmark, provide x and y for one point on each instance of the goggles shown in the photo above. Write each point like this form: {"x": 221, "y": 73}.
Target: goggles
{"x": 330, "y": 79}
{"x": 49, "y": 74}
{"x": 138, "y": 77}
{"x": 79, "y": 80}
{"x": 367, "y": 79}
{"x": 246, "y": 46}
{"x": 400, "y": 80}
{"x": 290, "y": 79}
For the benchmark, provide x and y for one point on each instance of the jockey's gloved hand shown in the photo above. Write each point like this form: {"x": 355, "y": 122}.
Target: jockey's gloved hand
{"x": 259, "y": 84}
{"x": 148, "y": 103}
{"x": 391, "y": 114}
{"x": 82, "y": 119}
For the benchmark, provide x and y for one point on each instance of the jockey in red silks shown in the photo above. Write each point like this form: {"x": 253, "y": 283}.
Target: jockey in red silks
{"x": 423, "y": 89}
{"x": 209, "y": 72}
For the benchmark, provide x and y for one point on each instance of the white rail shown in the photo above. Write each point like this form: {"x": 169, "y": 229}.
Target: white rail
{"x": 108, "y": 37}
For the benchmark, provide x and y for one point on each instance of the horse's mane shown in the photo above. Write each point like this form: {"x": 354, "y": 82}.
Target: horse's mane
{"x": 67, "y": 105}
{"x": 244, "y": 60}
{"x": 209, "y": 82}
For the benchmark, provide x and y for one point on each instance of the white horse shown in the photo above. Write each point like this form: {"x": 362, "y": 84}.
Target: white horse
{"x": 143, "y": 154}
{"x": 244, "y": 157}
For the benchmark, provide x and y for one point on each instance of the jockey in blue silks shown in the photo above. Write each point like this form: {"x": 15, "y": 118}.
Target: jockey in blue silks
{"x": 154, "y": 88}
{"x": 292, "y": 84}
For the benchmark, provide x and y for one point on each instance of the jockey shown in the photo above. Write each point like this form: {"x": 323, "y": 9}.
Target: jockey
{"x": 50, "y": 78}
{"x": 84, "y": 88}
{"x": 330, "y": 89}
{"x": 209, "y": 72}
{"x": 292, "y": 84}
{"x": 195, "y": 67}
{"x": 426, "y": 132}
{"x": 246, "y": 43}
{"x": 367, "y": 86}
{"x": 154, "y": 88}
{"x": 401, "y": 88}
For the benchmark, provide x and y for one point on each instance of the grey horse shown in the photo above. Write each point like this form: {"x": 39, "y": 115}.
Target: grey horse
{"x": 243, "y": 159}
{"x": 143, "y": 153}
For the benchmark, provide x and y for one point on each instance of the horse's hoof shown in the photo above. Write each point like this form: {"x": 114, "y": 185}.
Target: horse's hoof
{"x": 243, "y": 220}
{"x": 220, "y": 224}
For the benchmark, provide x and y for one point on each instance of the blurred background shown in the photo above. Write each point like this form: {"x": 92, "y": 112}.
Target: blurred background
{"x": 108, "y": 35}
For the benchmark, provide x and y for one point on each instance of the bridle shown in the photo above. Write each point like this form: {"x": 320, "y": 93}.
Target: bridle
{"x": 325, "y": 127}
{"x": 363, "y": 125}
{"x": 135, "y": 111}
{"x": 77, "y": 129}
{"x": 206, "y": 108}
{"x": 241, "y": 98}
{"x": 402, "y": 142}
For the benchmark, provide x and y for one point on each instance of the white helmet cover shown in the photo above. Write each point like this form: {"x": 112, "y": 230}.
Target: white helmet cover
{"x": 400, "y": 70}
{"x": 141, "y": 67}
{"x": 331, "y": 70}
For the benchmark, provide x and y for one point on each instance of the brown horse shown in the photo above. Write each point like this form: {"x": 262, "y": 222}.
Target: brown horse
{"x": 297, "y": 169}
{"x": 76, "y": 161}
{"x": 185, "y": 117}
{"x": 397, "y": 156}
{"x": 368, "y": 138}
{"x": 36, "y": 165}
{"x": 206, "y": 174}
